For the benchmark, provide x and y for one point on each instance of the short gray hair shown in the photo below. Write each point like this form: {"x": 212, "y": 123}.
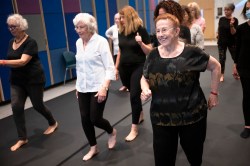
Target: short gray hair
{"x": 20, "y": 21}
{"x": 88, "y": 20}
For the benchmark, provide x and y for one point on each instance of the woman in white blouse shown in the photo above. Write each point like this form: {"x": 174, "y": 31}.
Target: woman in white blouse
{"x": 197, "y": 36}
{"x": 94, "y": 68}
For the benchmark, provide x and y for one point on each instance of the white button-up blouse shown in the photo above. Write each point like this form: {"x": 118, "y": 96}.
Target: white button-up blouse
{"x": 94, "y": 64}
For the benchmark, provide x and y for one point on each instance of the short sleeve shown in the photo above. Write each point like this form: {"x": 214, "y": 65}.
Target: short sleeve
{"x": 144, "y": 35}
{"x": 31, "y": 48}
{"x": 198, "y": 59}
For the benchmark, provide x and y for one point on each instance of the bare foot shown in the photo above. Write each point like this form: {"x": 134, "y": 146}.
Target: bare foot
{"x": 18, "y": 145}
{"x": 92, "y": 152}
{"x": 51, "y": 129}
{"x": 133, "y": 133}
{"x": 222, "y": 78}
{"x": 112, "y": 139}
{"x": 123, "y": 88}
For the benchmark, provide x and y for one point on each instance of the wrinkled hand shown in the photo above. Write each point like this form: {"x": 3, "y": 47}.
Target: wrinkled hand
{"x": 212, "y": 101}
{"x": 235, "y": 73}
{"x": 101, "y": 95}
{"x": 146, "y": 94}
{"x": 138, "y": 38}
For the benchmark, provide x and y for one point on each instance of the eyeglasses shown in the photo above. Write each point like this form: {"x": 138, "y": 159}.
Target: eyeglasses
{"x": 164, "y": 30}
{"x": 12, "y": 27}
{"x": 80, "y": 27}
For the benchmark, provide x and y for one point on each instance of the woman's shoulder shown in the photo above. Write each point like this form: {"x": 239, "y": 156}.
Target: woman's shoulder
{"x": 30, "y": 39}
{"x": 153, "y": 52}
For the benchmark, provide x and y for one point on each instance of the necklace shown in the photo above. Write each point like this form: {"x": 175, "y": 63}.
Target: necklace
{"x": 17, "y": 42}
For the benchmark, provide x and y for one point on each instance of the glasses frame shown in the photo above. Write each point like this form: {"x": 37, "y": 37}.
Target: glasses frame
{"x": 12, "y": 27}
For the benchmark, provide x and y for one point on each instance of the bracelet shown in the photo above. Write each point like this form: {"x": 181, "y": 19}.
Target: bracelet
{"x": 214, "y": 93}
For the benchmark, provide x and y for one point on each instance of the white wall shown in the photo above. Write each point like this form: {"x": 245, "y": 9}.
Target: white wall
{"x": 237, "y": 12}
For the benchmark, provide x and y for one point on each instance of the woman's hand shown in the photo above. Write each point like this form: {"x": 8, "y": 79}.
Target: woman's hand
{"x": 101, "y": 95}
{"x": 235, "y": 73}
{"x": 76, "y": 94}
{"x": 138, "y": 39}
{"x": 212, "y": 101}
{"x": 146, "y": 94}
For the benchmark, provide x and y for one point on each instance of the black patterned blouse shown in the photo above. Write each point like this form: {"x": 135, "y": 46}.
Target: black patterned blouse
{"x": 177, "y": 98}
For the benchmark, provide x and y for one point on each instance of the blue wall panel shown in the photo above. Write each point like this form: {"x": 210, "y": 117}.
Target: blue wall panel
{"x": 86, "y": 6}
{"x": 71, "y": 33}
{"x": 58, "y": 64}
{"x": 44, "y": 60}
{"x": 52, "y": 6}
{"x": 132, "y": 3}
{"x": 101, "y": 17}
{"x": 5, "y": 10}
{"x": 112, "y": 10}
{"x": 148, "y": 21}
{"x": 55, "y": 32}
{"x": 140, "y": 9}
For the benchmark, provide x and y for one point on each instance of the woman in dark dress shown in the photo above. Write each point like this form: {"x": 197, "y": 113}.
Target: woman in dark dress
{"x": 27, "y": 78}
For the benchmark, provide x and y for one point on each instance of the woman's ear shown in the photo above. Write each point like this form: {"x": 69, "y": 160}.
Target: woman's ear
{"x": 177, "y": 31}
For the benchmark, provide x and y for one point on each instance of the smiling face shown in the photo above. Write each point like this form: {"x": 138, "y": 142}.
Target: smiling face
{"x": 166, "y": 32}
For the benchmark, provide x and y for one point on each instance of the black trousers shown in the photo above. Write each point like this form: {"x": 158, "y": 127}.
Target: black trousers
{"x": 131, "y": 76}
{"x": 92, "y": 115}
{"x": 222, "y": 54}
{"x": 245, "y": 82}
{"x": 165, "y": 143}
{"x": 19, "y": 95}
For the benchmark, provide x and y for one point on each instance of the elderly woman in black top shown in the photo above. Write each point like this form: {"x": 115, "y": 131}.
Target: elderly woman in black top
{"x": 27, "y": 77}
{"x": 178, "y": 107}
